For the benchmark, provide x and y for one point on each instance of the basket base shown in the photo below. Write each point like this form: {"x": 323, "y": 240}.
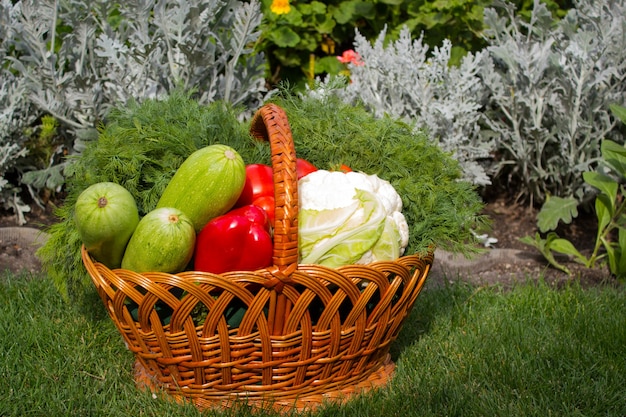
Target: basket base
{"x": 376, "y": 379}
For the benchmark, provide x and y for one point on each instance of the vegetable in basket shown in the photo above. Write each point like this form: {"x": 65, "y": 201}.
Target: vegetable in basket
{"x": 239, "y": 240}
{"x": 442, "y": 210}
{"x": 206, "y": 185}
{"x": 258, "y": 189}
{"x": 163, "y": 241}
{"x": 348, "y": 218}
{"x": 105, "y": 216}
{"x": 259, "y": 186}
{"x": 304, "y": 168}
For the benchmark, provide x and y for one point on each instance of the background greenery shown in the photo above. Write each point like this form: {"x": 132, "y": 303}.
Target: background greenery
{"x": 304, "y": 43}
{"x": 520, "y": 98}
{"x": 65, "y": 67}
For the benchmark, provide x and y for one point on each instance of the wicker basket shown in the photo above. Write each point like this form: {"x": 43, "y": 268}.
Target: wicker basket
{"x": 304, "y": 334}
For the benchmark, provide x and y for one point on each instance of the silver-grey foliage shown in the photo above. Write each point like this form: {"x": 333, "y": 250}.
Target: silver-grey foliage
{"x": 114, "y": 52}
{"x": 532, "y": 107}
{"x": 15, "y": 113}
{"x": 408, "y": 80}
{"x": 550, "y": 87}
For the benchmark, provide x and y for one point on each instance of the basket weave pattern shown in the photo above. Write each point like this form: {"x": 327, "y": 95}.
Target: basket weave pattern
{"x": 292, "y": 334}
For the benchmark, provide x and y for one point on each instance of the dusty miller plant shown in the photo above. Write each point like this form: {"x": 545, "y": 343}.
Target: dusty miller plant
{"x": 76, "y": 59}
{"x": 550, "y": 87}
{"x": 15, "y": 115}
{"x": 408, "y": 80}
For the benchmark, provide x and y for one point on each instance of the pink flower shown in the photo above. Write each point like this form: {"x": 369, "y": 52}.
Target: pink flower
{"x": 350, "y": 57}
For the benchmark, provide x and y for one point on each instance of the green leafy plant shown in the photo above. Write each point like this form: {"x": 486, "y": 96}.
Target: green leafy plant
{"x": 304, "y": 42}
{"x": 302, "y": 38}
{"x": 610, "y": 208}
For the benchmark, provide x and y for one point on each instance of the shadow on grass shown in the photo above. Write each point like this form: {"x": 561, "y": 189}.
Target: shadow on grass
{"x": 434, "y": 301}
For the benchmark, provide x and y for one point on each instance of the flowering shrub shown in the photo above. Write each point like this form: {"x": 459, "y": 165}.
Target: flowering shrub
{"x": 350, "y": 57}
{"x": 302, "y": 37}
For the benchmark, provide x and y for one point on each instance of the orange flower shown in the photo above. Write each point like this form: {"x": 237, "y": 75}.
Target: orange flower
{"x": 350, "y": 56}
{"x": 280, "y": 6}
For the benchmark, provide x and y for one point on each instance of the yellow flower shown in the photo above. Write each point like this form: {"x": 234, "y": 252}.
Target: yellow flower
{"x": 280, "y": 6}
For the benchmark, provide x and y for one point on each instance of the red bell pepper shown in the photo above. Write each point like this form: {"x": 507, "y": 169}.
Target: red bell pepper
{"x": 259, "y": 183}
{"x": 259, "y": 186}
{"x": 239, "y": 240}
{"x": 259, "y": 189}
{"x": 304, "y": 167}
{"x": 267, "y": 203}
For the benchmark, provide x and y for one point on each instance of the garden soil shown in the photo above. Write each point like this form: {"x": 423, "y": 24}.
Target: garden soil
{"x": 506, "y": 263}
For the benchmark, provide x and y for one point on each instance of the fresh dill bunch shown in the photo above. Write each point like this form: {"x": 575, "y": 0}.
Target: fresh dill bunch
{"x": 440, "y": 208}
{"x": 140, "y": 146}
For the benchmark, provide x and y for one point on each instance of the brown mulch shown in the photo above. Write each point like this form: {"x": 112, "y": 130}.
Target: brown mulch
{"x": 512, "y": 221}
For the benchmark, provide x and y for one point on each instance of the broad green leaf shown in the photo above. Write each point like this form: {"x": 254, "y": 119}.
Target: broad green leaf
{"x": 365, "y": 9}
{"x": 328, "y": 64}
{"x": 621, "y": 253}
{"x": 614, "y": 156}
{"x": 621, "y": 238}
{"x": 315, "y": 7}
{"x": 566, "y": 247}
{"x": 544, "y": 247}
{"x": 293, "y": 18}
{"x": 326, "y": 26}
{"x": 556, "y": 209}
{"x": 309, "y": 42}
{"x": 611, "y": 254}
{"x": 619, "y": 112}
{"x": 604, "y": 183}
{"x": 284, "y": 37}
{"x": 547, "y": 251}
{"x": 604, "y": 212}
{"x": 350, "y": 10}
{"x": 536, "y": 242}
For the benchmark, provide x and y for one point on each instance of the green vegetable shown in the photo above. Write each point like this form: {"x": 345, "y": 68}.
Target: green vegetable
{"x": 206, "y": 185}
{"x": 326, "y": 241}
{"x": 163, "y": 242}
{"x": 106, "y": 216}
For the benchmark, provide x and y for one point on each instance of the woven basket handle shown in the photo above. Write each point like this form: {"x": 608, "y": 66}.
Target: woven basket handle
{"x": 270, "y": 123}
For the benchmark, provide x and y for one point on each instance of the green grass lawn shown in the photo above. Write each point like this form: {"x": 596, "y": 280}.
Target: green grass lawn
{"x": 464, "y": 351}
